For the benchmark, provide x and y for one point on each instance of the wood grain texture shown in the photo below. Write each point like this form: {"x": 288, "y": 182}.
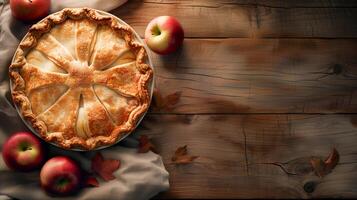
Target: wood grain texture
{"x": 227, "y": 18}
{"x": 261, "y": 82}
{"x": 267, "y": 3}
{"x": 234, "y": 151}
{"x": 261, "y": 76}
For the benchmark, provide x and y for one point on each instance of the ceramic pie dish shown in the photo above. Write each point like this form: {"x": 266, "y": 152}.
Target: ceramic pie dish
{"x": 81, "y": 79}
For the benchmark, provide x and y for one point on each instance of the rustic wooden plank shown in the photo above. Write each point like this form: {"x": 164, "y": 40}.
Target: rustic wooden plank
{"x": 261, "y": 76}
{"x": 266, "y": 3}
{"x": 197, "y": 21}
{"x": 306, "y": 22}
{"x": 234, "y": 148}
{"x": 307, "y": 3}
{"x": 229, "y": 18}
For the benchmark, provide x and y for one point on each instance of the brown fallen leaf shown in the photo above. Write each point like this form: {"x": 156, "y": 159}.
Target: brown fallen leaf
{"x": 91, "y": 181}
{"x": 173, "y": 99}
{"x": 104, "y": 167}
{"x": 332, "y": 160}
{"x": 318, "y": 166}
{"x": 324, "y": 167}
{"x": 165, "y": 103}
{"x": 181, "y": 156}
{"x": 145, "y": 145}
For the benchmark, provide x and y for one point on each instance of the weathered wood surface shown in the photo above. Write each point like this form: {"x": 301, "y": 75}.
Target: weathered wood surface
{"x": 321, "y": 19}
{"x": 268, "y": 3}
{"x": 261, "y": 82}
{"x": 261, "y": 76}
{"x": 234, "y": 151}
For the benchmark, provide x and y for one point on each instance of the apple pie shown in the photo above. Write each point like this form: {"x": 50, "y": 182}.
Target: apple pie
{"x": 81, "y": 79}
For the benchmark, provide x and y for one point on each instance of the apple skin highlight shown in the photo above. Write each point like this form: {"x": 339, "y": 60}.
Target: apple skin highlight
{"x": 23, "y": 152}
{"x": 29, "y": 10}
{"x": 60, "y": 175}
{"x": 164, "y": 35}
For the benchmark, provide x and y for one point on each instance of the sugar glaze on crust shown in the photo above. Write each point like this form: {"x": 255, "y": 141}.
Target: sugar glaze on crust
{"x": 99, "y": 125}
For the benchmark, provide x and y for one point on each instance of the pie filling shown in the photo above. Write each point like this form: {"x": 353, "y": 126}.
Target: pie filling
{"x": 83, "y": 82}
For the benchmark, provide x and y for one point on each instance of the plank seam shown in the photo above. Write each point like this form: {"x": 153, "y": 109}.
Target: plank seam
{"x": 267, "y": 37}
{"x": 290, "y": 113}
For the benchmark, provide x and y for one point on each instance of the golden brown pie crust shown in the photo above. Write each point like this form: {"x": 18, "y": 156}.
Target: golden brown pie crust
{"x": 69, "y": 139}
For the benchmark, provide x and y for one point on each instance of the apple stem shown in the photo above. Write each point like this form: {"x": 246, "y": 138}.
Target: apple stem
{"x": 156, "y": 30}
{"x": 25, "y": 148}
{"x": 30, "y": 1}
{"x": 62, "y": 181}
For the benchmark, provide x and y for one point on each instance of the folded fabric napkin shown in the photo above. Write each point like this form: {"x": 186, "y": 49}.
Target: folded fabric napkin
{"x": 140, "y": 176}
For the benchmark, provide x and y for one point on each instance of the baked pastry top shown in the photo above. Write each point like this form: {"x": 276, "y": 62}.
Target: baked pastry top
{"x": 80, "y": 79}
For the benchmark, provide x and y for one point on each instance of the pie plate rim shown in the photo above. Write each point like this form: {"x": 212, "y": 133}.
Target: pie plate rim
{"x": 150, "y": 88}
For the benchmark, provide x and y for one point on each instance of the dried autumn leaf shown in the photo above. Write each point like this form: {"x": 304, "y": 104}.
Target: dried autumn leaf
{"x": 91, "y": 181}
{"x": 185, "y": 159}
{"x": 180, "y": 151}
{"x": 324, "y": 167}
{"x": 173, "y": 99}
{"x": 332, "y": 160}
{"x": 145, "y": 145}
{"x": 104, "y": 167}
{"x": 167, "y": 102}
{"x": 318, "y": 166}
{"x": 181, "y": 156}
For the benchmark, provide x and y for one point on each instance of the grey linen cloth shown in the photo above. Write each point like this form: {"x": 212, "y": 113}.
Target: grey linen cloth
{"x": 140, "y": 176}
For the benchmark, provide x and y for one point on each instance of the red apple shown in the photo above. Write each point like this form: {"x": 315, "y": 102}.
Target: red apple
{"x": 164, "y": 34}
{"x": 28, "y": 10}
{"x": 60, "y": 175}
{"x": 23, "y": 152}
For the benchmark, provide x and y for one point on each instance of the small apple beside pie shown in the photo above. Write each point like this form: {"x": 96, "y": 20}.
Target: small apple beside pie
{"x": 80, "y": 79}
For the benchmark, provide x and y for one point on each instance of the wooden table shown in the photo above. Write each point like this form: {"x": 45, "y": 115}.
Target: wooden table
{"x": 261, "y": 82}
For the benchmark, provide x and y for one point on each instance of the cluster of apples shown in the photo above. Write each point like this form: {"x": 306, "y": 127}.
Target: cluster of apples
{"x": 59, "y": 175}
{"x": 24, "y": 152}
